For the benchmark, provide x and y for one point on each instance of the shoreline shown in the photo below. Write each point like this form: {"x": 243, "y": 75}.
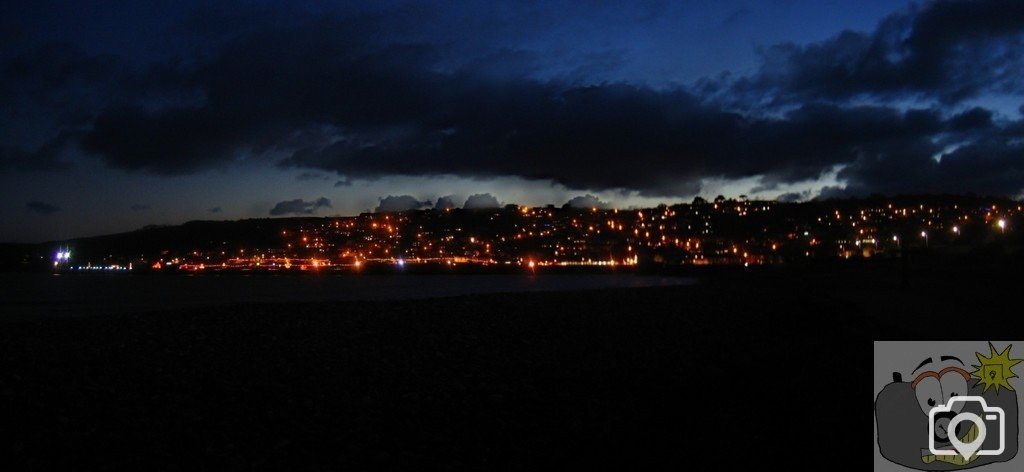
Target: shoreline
{"x": 91, "y": 295}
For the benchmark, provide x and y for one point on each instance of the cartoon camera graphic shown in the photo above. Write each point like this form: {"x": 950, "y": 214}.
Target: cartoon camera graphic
{"x": 946, "y": 421}
{"x": 950, "y": 415}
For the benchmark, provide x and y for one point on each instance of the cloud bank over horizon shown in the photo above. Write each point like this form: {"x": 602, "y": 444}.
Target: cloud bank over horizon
{"x": 930, "y": 99}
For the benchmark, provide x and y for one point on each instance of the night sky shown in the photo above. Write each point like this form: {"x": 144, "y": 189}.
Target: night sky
{"x": 118, "y": 115}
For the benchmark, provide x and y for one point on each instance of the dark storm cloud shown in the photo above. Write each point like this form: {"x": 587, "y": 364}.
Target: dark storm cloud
{"x": 790, "y": 197}
{"x": 57, "y": 77}
{"x": 16, "y": 159}
{"x": 53, "y": 91}
{"x": 585, "y": 201}
{"x": 343, "y": 182}
{"x": 975, "y": 118}
{"x": 214, "y": 210}
{"x": 399, "y": 203}
{"x": 621, "y": 136}
{"x": 171, "y": 142}
{"x": 948, "y": 49}
{"x": 299, "y": 207}
{"x": 991, "y": 165}
{"x": 42, "y": 208}
{"x": 481, "y": 201}
{"x": 141, "y": 207}
{"x": 348, "y": 95}
{"x": 445, "y": 203}
{"x": 310, "y": 176}
{"x": 44, "y": 158}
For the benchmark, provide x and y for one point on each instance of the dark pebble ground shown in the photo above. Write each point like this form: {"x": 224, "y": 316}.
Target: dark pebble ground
{"x": 722, "y": 373}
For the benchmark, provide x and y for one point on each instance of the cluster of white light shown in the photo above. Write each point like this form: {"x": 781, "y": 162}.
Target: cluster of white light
{"x": 63, "y": 256}
{"x": 112, "y": 267}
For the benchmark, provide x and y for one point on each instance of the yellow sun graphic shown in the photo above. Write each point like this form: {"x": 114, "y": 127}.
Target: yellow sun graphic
{"x": 995, "y": 369}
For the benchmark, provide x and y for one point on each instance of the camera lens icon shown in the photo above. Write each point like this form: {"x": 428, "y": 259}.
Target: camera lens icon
{"x": 944, "y": 422}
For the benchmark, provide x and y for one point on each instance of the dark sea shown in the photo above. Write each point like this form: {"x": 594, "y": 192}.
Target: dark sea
{"x": 30, "y": 295}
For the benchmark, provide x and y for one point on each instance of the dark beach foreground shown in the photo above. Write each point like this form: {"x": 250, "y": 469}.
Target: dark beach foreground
{"x": 752, "y": 368}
